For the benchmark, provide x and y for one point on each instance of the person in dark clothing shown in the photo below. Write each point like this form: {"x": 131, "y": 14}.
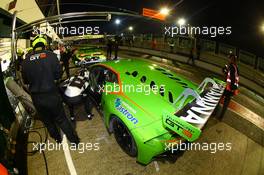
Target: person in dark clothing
{"x": 232, "y": 79}
{"x": 40, "y": 70}
{"x": 20, "y": 54}
{"x": 154, "y": 43}
{"x": 74, "y": 58}
{"x": 74, "y": 93}
{"x": 171, "y": 43}
{"x": 191, "y": 57}
{"x": 109, "y": 48}
{"x": 65, "y": 58}
{"x": 198, "y": 50}
{"x": 116, "y": 44}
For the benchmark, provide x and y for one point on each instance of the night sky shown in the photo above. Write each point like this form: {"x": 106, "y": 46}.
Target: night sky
{"x": 244, "y": 16}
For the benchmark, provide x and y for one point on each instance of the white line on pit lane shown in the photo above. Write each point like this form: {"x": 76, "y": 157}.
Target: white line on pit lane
{"x": 156, "y": 166}
{"x": 68, "y": 157}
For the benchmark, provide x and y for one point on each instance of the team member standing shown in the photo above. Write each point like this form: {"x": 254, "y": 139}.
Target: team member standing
{"x": 171, "y": 43}
{"x": 109, "y": 49}
{"x": 20, "y": 54}
{"x": 232, "y": 79}
{"x": 65, "y": 58}
{"x": 191, "y": 56}
{"x": 40, "y": 69}
{"x": 74, "y": 58}
{"x": 116, "y": 44}
{"x": 198, "y": 49}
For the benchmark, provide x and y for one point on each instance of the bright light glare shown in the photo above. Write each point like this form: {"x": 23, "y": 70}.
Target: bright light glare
{"x": 262, "y": 27}
{"x": 117, "y": 21}
{"x": 130, "y": 28}
{"x": 181, "y": 21}
{"x": 164, "y": 11}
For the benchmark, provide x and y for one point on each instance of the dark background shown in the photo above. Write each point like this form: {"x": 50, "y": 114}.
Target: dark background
{"x": 245, "y": 17}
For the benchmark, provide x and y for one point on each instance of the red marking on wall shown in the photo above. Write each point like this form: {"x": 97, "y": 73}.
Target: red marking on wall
{"x": 246, "y": 113}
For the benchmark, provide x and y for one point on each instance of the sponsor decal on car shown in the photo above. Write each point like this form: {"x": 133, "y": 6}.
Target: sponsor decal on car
{"x": 188, "y": 121}
{"x": 121, "y": 108}
{"x": 181, "y": 127}
{"x": 199, "y": 110}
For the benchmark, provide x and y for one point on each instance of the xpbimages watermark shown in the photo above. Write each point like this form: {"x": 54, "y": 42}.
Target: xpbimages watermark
{"x": 212, "y": 31}
{"x": 88, "y": 30}
{"x": 204, "y": 146}
{"x": 50, "y": 146}
{"x": 139, "y": 88}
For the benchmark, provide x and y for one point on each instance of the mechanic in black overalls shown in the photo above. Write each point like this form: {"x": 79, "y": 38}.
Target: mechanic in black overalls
{"x": 40, "y": 69}
{"x": 116, "y": 44}
{"x": 109, "y": 49}
{"x": 65, "y": 58}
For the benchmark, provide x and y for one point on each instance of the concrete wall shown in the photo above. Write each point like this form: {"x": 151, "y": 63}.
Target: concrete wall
{"x": 28, "y": 11}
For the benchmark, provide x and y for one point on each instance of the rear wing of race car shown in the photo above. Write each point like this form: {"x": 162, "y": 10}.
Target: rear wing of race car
{"x": 190, "y": 118}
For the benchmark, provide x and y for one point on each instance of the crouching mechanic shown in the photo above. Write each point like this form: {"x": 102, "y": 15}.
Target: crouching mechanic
{"x": 40, "y": 69}
{"x": 74, "y": 92}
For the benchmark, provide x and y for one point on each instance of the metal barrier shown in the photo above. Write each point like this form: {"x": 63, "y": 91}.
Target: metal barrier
{"x": 247, "y": 58}
{"x": 208, "y": 46}
{"x": 225, "y": 49}
{"x": 261, "y": 63}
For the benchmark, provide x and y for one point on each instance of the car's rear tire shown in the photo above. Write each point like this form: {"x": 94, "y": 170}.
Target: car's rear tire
{"x": 123, "y": 137}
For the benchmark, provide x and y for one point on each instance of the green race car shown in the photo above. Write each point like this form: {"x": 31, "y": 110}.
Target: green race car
{"x": 146, "y": 106}
{"x": 89, "y": 54}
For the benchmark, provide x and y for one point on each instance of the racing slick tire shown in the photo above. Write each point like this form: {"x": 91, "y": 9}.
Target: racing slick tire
{"x": 123, "y": 137}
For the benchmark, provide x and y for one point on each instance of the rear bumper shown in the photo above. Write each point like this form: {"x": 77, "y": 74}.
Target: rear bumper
{"x": 147, "y": 151}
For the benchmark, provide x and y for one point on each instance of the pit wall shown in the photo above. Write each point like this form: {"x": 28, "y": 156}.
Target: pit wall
{"x": 213, "y": 57}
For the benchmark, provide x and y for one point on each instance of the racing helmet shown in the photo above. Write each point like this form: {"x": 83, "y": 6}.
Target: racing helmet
{"x": 39, "y": 41}
{"x": 20, "y": 52}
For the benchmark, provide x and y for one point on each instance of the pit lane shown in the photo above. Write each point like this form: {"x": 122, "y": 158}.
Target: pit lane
{"x": 110, "y": 159}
